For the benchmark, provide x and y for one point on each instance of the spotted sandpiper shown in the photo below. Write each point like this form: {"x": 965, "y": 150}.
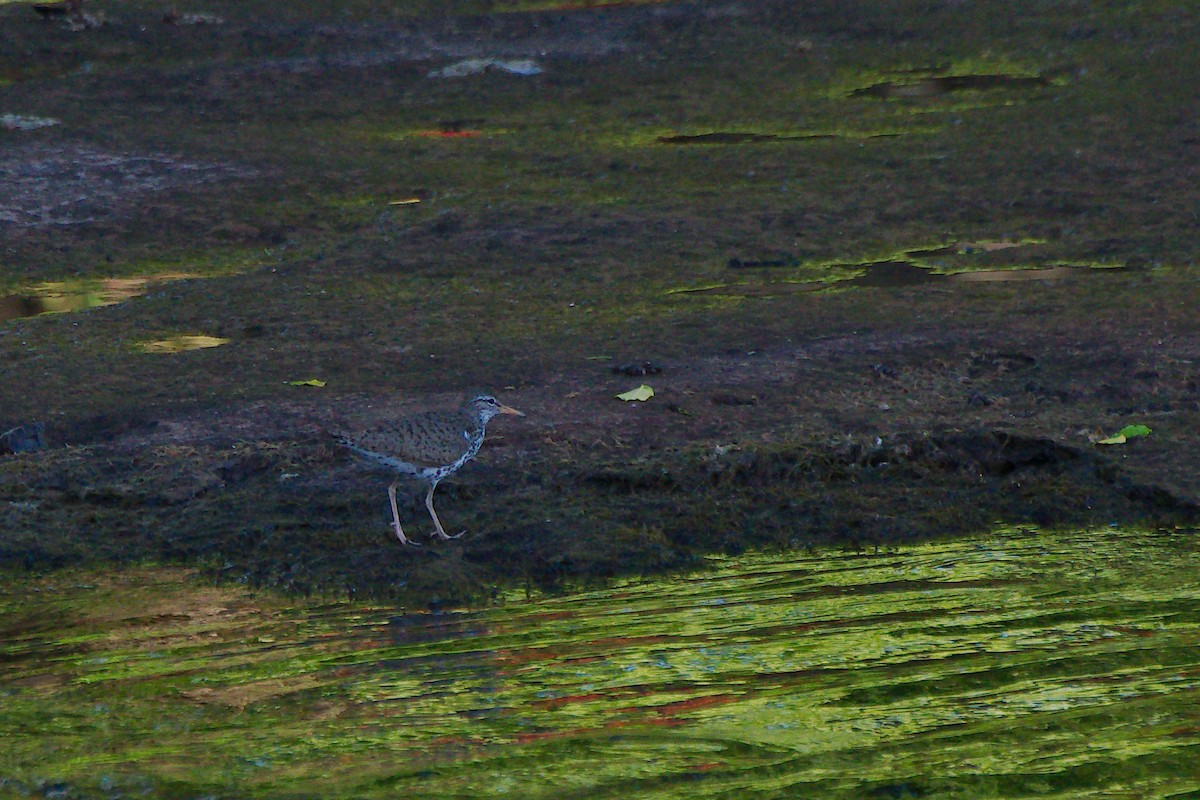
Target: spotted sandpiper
{"x": 428, "y": 447}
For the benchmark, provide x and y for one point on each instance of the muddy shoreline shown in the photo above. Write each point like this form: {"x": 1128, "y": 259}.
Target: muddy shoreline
{"x": 588, "y": 488}
{"x": 876, "y": 316}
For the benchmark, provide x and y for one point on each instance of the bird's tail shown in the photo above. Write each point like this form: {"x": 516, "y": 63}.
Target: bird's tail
{"x": 377, "y": 458}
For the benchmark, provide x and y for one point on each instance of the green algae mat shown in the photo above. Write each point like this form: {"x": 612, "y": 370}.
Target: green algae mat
{"x": 1021, "y": 663}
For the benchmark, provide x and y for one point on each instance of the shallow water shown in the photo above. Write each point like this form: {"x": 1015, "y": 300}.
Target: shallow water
{"x": 80, "y": 295}
{"x": 1018, "y": 664}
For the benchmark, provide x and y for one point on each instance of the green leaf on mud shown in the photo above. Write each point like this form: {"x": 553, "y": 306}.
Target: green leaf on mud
{"x": 642, "y": 392}
{"x": 1131, "y": 431}
{"x": 1125, "y": 434}
{"x": 309, "y": 382}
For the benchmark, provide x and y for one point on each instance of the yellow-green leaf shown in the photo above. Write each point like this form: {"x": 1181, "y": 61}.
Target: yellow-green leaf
{"x": 642, "y": 392}
{"x": 309, "y": 382}
{"x": 180, "y": 343}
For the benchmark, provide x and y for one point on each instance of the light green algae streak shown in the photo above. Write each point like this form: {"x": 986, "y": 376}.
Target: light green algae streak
{"x": 1022, "y": 664}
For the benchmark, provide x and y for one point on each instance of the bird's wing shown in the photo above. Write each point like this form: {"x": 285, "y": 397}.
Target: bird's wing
{"x": 424, "y": 440}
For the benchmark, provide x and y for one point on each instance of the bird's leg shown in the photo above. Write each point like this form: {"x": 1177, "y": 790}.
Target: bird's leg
{"x": 440, "y": 532}
{"x": 396, "y": 517}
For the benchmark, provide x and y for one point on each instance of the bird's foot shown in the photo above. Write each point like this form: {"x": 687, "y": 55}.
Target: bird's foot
{"x": 445, "y": 536}
{"x": 403, "y": 539}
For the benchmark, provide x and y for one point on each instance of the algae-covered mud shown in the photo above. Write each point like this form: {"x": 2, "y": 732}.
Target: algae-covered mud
{"x": 1018, "y": 664}
{"x": 899, "y": 269}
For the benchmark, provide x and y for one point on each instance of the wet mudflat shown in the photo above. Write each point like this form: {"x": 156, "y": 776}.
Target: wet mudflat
{"x": 1018, "y": 663}
{"x": 900, "y": 269}
{"x": 898, "y": 274}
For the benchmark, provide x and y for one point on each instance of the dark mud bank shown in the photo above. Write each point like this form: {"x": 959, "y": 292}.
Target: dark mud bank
{"x": 301, "y": 516}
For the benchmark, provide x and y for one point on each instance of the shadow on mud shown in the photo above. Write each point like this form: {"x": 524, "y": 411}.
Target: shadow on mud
{"x": 933, "y": 86}
{"x": 746, "y": 137}
{"x": 897, "y": 275}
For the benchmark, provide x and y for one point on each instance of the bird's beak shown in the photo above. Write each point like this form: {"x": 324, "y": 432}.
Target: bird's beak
{"x": 510, "y": 410}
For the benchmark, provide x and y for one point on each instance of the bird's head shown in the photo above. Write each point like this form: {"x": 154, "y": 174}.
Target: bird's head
{"x": 485, "y": 406}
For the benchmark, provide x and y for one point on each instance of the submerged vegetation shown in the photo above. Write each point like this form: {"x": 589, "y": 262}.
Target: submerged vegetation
{"x": 1011, "y": 664}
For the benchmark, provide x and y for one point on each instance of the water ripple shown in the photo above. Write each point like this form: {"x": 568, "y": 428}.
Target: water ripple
{"x": 1019, "y": 663}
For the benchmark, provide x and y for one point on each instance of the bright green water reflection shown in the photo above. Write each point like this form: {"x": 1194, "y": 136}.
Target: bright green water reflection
{"x": 1017, "y": 665}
